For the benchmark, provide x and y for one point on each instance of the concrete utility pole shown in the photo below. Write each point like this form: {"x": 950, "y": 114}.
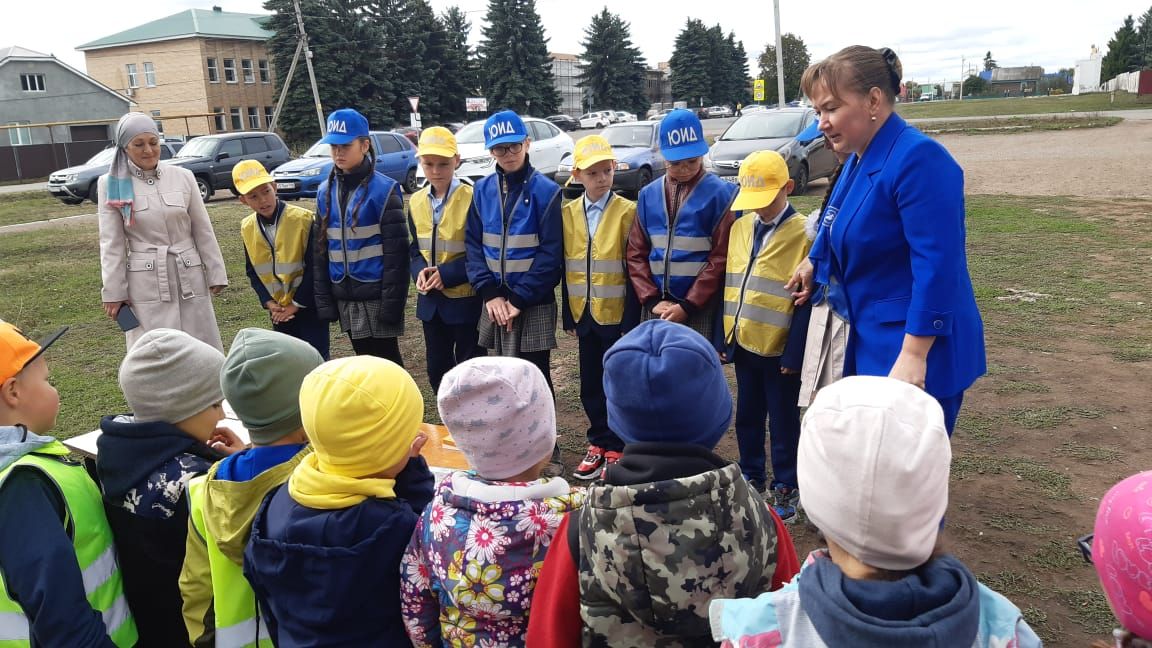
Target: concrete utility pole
{"x": 284, "y": 87}
{"x": 779, "y": 59}
{"x": 961, "y": 77}
{"x": 308, "y": 63}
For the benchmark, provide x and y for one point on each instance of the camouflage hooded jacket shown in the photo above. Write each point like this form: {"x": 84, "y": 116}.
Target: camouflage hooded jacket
{"x": 653, "y": 555}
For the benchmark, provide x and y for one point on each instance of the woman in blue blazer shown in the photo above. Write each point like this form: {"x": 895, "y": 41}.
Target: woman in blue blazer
{"x": 890, "y": 248}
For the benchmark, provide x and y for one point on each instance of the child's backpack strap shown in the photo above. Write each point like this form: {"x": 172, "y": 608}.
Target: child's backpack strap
{"x": 574, "y": 535}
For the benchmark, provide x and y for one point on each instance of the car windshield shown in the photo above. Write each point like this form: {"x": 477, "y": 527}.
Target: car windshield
{"x": 471, "y": 134}
{"x": 767, "y": 125}
{"x": 201, "y": 147}
{"x": 629, "y": 136}
{"x": 103, "y": 157}
{"x": 319, "y": 150}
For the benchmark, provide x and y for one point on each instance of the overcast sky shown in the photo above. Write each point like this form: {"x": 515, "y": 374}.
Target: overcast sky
{"x": 930, "y": 36}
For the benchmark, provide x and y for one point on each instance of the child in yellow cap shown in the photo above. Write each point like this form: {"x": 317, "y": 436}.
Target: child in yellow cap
{"x": 324, "y": 556}
{"x": 763, "y": 331}
{"x": 278, "y": 240}
{"x": 599, "y": 305}
{"x": 447, "y": 306}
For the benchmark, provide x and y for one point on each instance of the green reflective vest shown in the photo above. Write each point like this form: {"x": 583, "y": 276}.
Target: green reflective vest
{"x": 95, "y": 551}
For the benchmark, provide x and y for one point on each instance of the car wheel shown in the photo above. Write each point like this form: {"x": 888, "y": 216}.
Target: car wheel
{"x": 72, "y": 201}
{"x": 410, "y": 186}
{"x": 93, "y": 192}
{"x": 204, "y": 187}
{"x": 643, "y": 178}
{"x": 801, "y": 180}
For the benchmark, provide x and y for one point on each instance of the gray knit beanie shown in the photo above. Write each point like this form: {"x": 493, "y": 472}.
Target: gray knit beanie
{"x": 261, "y": 379}
{"x": 170, "y": 376}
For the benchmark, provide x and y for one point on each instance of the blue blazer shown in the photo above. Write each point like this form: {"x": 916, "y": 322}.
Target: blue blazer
{"x": 895, "y": 241}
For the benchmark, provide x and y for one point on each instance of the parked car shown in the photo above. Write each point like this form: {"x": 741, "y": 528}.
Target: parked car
{"x": 77, "y": 183}
{"x": 662, "y": 114}
{"x": 624, "y": 116}
{"x": 752, "y": 109}
{"x": 719, "y": 111}
{"x": 301, "y": 178}
{"x": 598, "y": 119}
{"x": 454, "y": 126}
{"x": 411, "y": 132}
{"x": 549, "y": 148}
{"x": 638, "y": 158}
{"x": 564, "y": 122}
{"x": 773, "y": 130}
{"x": 211, "y": 158}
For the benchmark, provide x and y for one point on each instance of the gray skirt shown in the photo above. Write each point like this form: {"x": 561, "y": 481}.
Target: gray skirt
{"x": 361, "y": 319}
{"x": 824, "y": 351}
{"x": 533, "y": 330}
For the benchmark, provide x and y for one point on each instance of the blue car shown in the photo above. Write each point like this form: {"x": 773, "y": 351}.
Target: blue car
{"x": 301, "y": 178}
{"x": 638, "y": 158}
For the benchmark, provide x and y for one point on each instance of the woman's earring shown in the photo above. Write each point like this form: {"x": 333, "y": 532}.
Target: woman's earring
{"x": 873, "y": 117}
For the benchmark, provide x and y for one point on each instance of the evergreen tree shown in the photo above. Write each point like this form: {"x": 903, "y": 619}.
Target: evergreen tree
{"x": 1123, "y": 52}
{"x": 690, "y": 66}
{"x": 516, "y": 70}
{"x": 796, "y": 60}
{"x": 989, "y": 62}
{"x": 1144, "y": 39}
{"x": 614, "y": 69}
{"x": 722, "y": 76}
{"x": 456, "y": 79}
{"x": 740, "y": 94}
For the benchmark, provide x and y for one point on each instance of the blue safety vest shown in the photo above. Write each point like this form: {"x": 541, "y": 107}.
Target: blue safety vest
{"x": 510, "y": 252}
{"x": 676, "y": 260}
{"x": 354, "y": 248}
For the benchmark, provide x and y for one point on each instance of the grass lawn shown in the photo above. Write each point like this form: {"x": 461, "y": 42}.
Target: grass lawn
{"x": 1094, "y": 102}
{"x": 998, "y": 125}
{"x": 31, "y": 206}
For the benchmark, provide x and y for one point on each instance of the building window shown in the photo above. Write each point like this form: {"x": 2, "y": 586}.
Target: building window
{"x": 133, "y": 79}
{"x": 265, "y": 76}
{"x": 253, "y": 118}
{"x": 218, "y": 120}
{"x": 149, "y": 75}
{"x": 213, "y": 71}
{"x": 19, "y": 136}
{"x": 268, "y": 116}
{"x": 237, "y": 122}
{"x": 156, "y": 117}
{"x": 246, "y": 68}
{"x": 230, "y": 70}
{"x": 32, "y": 82}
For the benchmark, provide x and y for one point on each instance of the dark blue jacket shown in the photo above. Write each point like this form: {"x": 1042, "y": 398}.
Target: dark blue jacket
{"x": 304, "y": 293}
{"x": 332, "y": 577}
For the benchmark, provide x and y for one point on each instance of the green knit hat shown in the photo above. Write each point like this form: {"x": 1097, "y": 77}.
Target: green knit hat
{"x": 261, "y": 379}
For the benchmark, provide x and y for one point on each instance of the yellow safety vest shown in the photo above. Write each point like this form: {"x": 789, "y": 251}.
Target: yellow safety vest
{"x": 280, "y": 266}
{"x": 442, "y": 243}
{"x": 595, "y": 270}
{"x": 92, "y": 540}
{"x": 757, "y": 307}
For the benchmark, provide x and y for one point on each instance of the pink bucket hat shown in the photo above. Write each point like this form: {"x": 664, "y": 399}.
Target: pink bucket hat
{"x": 1122, "y": 552}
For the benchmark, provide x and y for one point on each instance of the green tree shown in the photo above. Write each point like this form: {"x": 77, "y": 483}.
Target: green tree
{"x": 613, "y": 67}
{"x": 722, "y": 76}
{"x": 456, "y": 79}
{"x": 796, "y": 60}
{"x": 690, "y": 66}
{"x": 1144, "y": 39}
{"x": 1123, "y": 52}
{"x": 975, "y": 85}
{"x": 740, "y": 92}
{"x": 989, "y": 62}
{"x": 516, "y": 71}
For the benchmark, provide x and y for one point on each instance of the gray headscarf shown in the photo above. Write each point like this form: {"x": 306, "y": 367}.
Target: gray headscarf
{"x": 119, "y": 184}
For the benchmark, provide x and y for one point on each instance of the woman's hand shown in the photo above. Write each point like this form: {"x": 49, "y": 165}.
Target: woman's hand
{"x": 112, "y": 309}
{"x": 911, "y": 368}
{"x": 216, "y": 290}
{"x": 801, "y": 282}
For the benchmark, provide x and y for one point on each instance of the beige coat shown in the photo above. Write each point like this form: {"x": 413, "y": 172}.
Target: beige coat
{"x": 166, "y": 260}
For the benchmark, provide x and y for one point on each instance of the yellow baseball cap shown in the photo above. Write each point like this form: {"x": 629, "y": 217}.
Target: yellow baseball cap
{"x": 590, "y": 150}
{"x": 762, "y": 175}
{"x": 437, "y": 141}
{"x": 248, "y": 175}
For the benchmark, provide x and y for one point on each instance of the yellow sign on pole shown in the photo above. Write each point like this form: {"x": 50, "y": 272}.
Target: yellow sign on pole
{"x": 758, "y": 90}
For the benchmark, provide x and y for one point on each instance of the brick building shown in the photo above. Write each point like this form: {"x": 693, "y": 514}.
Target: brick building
{"x": 194, "y": 62}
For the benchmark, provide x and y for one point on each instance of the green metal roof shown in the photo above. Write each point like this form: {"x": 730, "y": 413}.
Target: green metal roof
{"x": 205, "y": 23}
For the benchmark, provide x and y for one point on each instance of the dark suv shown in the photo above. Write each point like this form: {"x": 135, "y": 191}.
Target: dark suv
{"x": 211, "y": 157}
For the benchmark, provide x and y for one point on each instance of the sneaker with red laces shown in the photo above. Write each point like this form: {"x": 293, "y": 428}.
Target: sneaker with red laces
{"x": 592, "y": 464}
{"x": 610, "y": 457}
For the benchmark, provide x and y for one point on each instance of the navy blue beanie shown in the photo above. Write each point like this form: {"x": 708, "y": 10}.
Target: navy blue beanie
{"x": 664, "y": 383}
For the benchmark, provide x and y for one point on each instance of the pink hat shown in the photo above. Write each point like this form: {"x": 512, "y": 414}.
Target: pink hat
{"x": 1122, "y": 552}
{"x": 501, "y": 414}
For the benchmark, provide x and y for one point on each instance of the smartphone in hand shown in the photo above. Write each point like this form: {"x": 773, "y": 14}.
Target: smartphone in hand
{"x": 126, "y": 318}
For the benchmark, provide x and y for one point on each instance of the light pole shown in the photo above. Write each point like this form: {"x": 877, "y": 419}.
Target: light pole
{"x": 962, "y": 70}
{"x": 779, "y": 59}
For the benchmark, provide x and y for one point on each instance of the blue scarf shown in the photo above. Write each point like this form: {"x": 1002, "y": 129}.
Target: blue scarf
{"x": 119, "y": 183}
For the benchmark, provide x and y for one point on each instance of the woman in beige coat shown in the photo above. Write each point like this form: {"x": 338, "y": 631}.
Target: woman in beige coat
{"x": 158, "y": 252}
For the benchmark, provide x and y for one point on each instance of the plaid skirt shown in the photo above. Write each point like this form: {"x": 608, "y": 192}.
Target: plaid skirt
{"x": 533, "y": 330}
{"x": 361, "y": 319}
{"x": 703, "y": 321}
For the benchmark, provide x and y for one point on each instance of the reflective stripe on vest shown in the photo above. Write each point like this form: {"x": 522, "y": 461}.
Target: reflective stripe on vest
{"x": 279, "y": 263}
{"x": 92, "y": 541}
{"x": 595, "y": 270}
{"x": 355, "y": 248}
{"x": 238, "y": 624}
{"x": 681, "y": 245}
{"x": 757, "y": 307}
{"x": 510, "y": 247}
{"x": 444, "y": 242}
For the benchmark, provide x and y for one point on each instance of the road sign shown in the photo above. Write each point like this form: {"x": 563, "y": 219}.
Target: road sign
{"x": 414, "y": 120}
{"x": 758, "y": 90}
{"x": 415, "y": 101}
{"x": 476, "y": 104}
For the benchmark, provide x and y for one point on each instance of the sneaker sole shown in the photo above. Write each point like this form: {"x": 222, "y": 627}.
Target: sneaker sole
{"x": 583, "y": 477}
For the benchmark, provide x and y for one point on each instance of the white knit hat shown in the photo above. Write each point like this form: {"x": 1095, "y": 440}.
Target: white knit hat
{"x": 170, "y": 376}
{"x": 873, "y": 469}
{"x": 501, "y": 414}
